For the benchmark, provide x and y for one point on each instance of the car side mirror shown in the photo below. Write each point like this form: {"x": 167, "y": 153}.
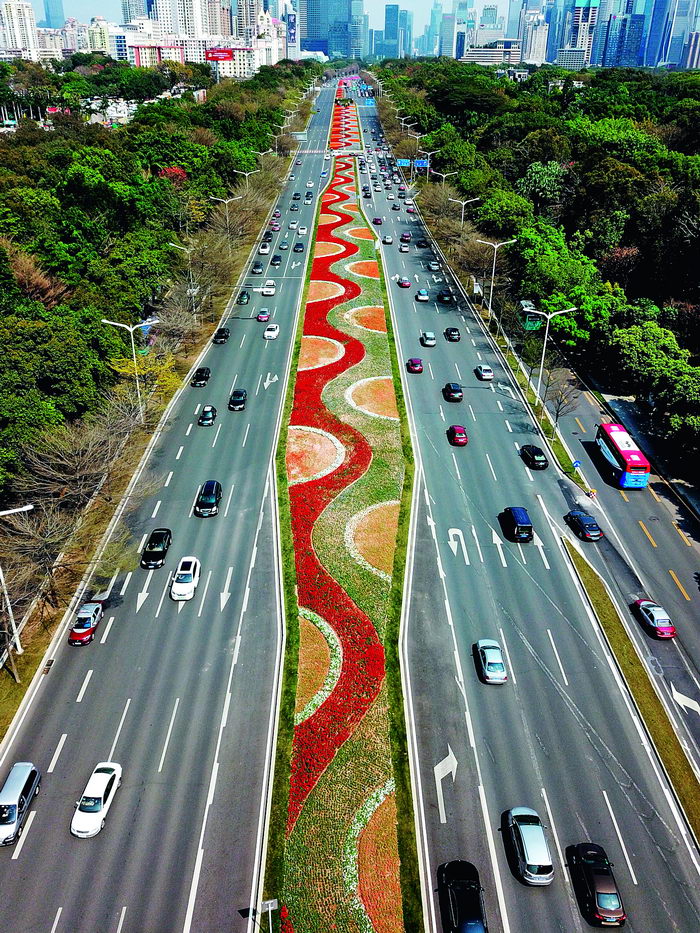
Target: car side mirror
{"x": 77, "y": 804}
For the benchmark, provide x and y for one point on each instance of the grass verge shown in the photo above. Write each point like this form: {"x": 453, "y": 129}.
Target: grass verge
{"x": 680, "y": 774}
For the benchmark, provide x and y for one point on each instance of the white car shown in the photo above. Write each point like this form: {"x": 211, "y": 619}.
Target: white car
{"x": 403, "y": 247}
{"x": 269, "y": 288}
{"x": 427, "y": 338}
{"x": 309, "y": 184}
{"x": 271, "y": 332}
{"x": 387, "y": 239}
{"x": 489, "y": 657}
{"x": 92, "y": 808}
{"x": 326, "y": 158}
{"x": 390, "y": 197}
{"x": 484, "y": 372}
{"x": 302, "y": 230}
{"x": 185, "y": 579}
{"x": 264, "y": 249}
{"x": 408, "y": 202}
{"x": 293, "y": 224}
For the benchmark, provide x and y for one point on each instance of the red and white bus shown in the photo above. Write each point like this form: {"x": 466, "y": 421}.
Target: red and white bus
{"x": 630, "y": 465}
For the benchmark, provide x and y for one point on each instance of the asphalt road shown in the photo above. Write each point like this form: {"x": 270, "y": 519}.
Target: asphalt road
{"x": 561, "y": 736}
{"x": 182, "y": 695}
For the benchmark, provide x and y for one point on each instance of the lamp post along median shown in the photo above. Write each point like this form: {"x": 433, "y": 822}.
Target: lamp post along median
{"x": 428, "y": 153}
{"x": 464, "y": 204}
{"x": 444, "y": 175}
{"x": 247, "y": 176}
{"x": 226, "y": 202}
{"x": 131, "y": 329}
{"x": 544, "y": 343}
{"x": 495, "y": 247}
{"x": 6, "y": 596}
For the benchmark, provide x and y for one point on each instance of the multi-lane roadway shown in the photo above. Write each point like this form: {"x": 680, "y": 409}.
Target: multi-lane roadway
{"x": 182, "y": 695}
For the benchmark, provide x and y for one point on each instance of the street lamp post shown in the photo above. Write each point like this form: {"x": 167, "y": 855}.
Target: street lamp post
{"x": 544, "y": 343}
{"x": 495, "y": 247}
{"x": 13, "y": 625}
{"x": 405, "y": 127}
{"x": 261, "y": 154}
{"x": 464, "y": 204}
{"x": 444, "y": 175}
{"x": 226, "y": 202}
{"x": 247, "y": 182}
{"x": 275, "y": 136}
{"x": 428, "y": 153}
{"x": 131, "y": 330}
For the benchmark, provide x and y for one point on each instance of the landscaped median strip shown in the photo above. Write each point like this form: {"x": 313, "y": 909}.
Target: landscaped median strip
{"x": 651, "y": 710}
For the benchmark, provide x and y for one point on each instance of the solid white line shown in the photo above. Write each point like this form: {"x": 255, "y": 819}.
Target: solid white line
{"x": 204, "y": 594}
{"x": 187, "y": 432}
{"x": 476, "y": 541}
{"x": 493, "y": 472}
{"x": 56, "y": 919}
{"x": 508, "y": 426}
{"x": 620, "y": 839}
{"x": 52, "y": 765}
{"x": 20, "y": 841}
{"x": 167, "y": 737}
{"x": 162, "y": 596}
{"x": 216, "y": 436}
{"x": 155, "y": 510}
{"x": 556, "y": 655}
{"x": 471, "y": 412}
{"x": 170, "y": 476}
{"x": 242, "y": 342}
{"x": 127, "y": 578}
{"x": 143, "y": 541}
{"x": 119, "y": 729}
{"x": 459, "y": 375}
{"x": 494, "y": 860}
{"x": 81, "y": 694}
{"x": 507, "y": 654}
{"x": 191, "y": 511}
{"x": 233, "y": 384}
{"x": 228, "y": 501}
{"x": 556, "y": 837}
{"x": 108, "y": 626}
{"x": 121, "y": 919}
{"x": 245, "y": 436}
{"x": 179, "y": 453}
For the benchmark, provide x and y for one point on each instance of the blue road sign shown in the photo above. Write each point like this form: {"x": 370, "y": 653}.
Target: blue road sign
{"x": 404, "y": 163}
{"x": 576, "y": 464}
{"x": 421, "y": 163}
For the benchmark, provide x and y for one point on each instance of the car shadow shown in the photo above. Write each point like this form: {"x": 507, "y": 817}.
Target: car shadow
{"x": 508, "y": 849}
{"x": 577, "y": 885}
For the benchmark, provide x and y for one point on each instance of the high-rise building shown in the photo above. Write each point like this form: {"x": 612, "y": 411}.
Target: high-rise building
{"x": 623, "y": 40}
{"x": 448, "y": 35}
{"x": 19, "y": 27}
{"x": 489, "y": 15}
{"x": 583, "y": 26}
{"x": 691, "y": 52}
{"x": 131, "y": 9}
{"x": 534, "y": 40}
{"x": 405, "y": 34}
{"x": 54, "y": 17}
{"x": 378, "y": 43}
{"x": 315, "y": 36}
{"x": 391, "y": 30}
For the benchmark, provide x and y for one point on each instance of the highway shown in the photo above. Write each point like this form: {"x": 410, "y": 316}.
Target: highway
{"x": 182, "y": 695}
{"x": 561, "y": 736}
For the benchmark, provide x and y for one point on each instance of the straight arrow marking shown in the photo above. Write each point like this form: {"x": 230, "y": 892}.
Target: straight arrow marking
{"x": 499, "y": 544}
{"x": 143, "y": 595}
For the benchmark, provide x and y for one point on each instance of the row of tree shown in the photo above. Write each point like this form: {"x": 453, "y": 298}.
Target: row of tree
{"x": 600, "y": 186}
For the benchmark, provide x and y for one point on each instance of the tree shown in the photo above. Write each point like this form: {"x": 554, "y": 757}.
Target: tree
{"x": 562, "y": 395}
{"x": 645, "y": 354}
{"x": 504, "y": 213}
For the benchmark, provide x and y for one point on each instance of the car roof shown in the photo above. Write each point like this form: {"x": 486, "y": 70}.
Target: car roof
{"x": 186, "y": 560}
{"x": 101, "y": 774}
{"x": 88, "y": 608}
{"x": 521, "y": 516}
{"x": 488, "y": 643}
{"x": 210, "y": 484}
{"x": 159, "y": 533}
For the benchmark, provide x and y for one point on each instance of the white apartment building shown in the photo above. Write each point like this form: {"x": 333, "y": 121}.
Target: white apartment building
{"x": 18, "y": 32}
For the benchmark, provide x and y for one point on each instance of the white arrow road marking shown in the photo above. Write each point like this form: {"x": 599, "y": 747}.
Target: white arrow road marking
{"x": 415, "y": 275}
{"x": 143, "y": 595}
{"x": 448, "y": 765}
{"x": 539, "y": 544}
{"x": 682, "y": 700}
{"x": 295, "y": 264}
{"x": 455, "y": 535}
{"x": 499, "y": 544}
{"x": 269, "y": 379}
{"x": 226, "y": 594}
{"x": 476, "y": 541}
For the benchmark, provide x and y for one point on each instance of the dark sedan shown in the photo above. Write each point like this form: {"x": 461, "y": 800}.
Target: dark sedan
{"x": 243, "y": 298}
{"x": 452, "y": 334}
{"x": 298, "y": 248}
{"x": 207, "y": 416}
{"x": 201, "y": 376}
{"x": 592, "y": 870}
{"x": 237, "y": 400}
{"x": 584, "y": 525}
{"x": 534, "y": 457}
{"x": 156, "y": 549}
{"x": 445, "y": 296}
{"x": 221, "y": 335}
{"x": 461, "y": 898}
{"x": 452, "y": 392}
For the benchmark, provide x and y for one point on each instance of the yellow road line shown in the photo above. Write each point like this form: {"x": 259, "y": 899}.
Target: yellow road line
{"x": 683, "y": 535}
{"x": 646, "y": 532}
{"x": 591, "y": 398}
{"x": 679, "y": 585}
{"x": 653, "y": 494}
{"x": 624, "y": 495}
{"x": 580, "y": 425}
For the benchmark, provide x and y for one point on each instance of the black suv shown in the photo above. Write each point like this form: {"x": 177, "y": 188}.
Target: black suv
{"x": 156, "y": 549}
{"x": 296, "y": 196}
{"x": 276, "y": 260}
{"x": 452, "y": 334}
{"x": 237, "y": 400}
{"x": 207, "y": 502}
{"x": 445, "y": 296}
{"x": 298, "y": 248}
{"x": 267, "y": 236}
{"x": 201, "y": 376}
{"x": 461, "y": 898}
{"x": 221, "y": 335}
{"x": 583, "y": 525}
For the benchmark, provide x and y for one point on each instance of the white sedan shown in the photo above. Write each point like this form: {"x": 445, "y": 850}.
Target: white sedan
{"x": 484, "y": 373}
{"x": 269, "y": 288}
{"x": 302, "y": 230}
{"x": 185, "y": 579}
{"x": 309, "y": 184}
{"x": 326, "y": 158}
{"x": 92, "y": 808}
{"x": 271, "y": 332}
{"x": 293, "y": 224}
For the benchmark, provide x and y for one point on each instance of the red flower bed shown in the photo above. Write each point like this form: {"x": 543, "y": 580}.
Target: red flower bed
{"x": 318, "y": 738}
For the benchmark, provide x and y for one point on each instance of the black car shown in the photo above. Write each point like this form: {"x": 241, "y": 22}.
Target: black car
{"x": 445, "y": 296}
{"x": 257, "y": 268}
{"x": 207, "y": 416}
{"x": 461, "y": 898}
{"x": 243, "y": 298}
{"x": 276, "y": 260}
{"x": 298, "y": 248}
{"x": 534, "y": 457}
{"x": 584, "y": 525}
{"x": 367, "y": 194}
{"x": 452, "y": 392}
{"x": 396, "y": 207}
{"x": 294, "y": 207}
{"x": 156, "y": 549}
{"x": 267, "y": 236}
{"x": 207, "y": 501}
{"x": 592, "y": 871}
{"x": 237, "y": 400}
{"x": 283, "y": 244}
{"x": 221, "y": 334}
{"x": 452, "y": 334}
{"x": 422, "y": 243}
{"x": 201, "y": 376}
{"x": 296, "y": 196}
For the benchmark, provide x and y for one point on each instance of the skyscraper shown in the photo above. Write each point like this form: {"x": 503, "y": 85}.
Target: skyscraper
{"x": 54, "y": 17}
{"x": 623, "y": 39}
{"x": 448, "y": 35}
{"x": 432, "y": 31}
{"x": 583, "y": 26}
{"x": 489, "y": 15}
{"x": 19, "y": 25}
{"x": 391, "y": 30}
{"x": 405, "y": 34}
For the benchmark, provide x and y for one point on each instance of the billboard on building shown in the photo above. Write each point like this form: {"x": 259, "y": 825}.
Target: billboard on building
{"x": 218, "y": 55}
{"x": 291, "y": 28}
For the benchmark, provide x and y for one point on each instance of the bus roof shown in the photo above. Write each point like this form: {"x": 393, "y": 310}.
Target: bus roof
{"x": 625, "y": 445}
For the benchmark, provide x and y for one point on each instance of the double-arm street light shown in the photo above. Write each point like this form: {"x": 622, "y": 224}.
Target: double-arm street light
{"x": 6, "y": 595}
{"x": 226, "y": 202}
{"x": 495, "y": 247}
{"x": 261, "y": 154}
{"x": 275, "y": 136}
{"x": 544, "y": 343}
{"x": 428, "y": 153}
{"x": 132, "y": 328}
{"x": 405, "y": 127}
{"x": 247, "y": 176}
{"x": 444, "y": 175}
{"x": 464, "y": 204}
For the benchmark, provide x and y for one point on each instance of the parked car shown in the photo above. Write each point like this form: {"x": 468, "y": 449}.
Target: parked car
{"x": 457, "y": 435}
{"x": 534, "y": 457}
{"x": 87, "y": 618}
{"x": 583, "y": 525}
{"x": 94, "y": 805}
{"x": 655, "y": 618}
{"x": 414, "y": 365}
{"x": 237, "y": 400}
{"x": 201, "y": 376}
{"x": 422, "y": 243}
{"x": 156, "y": 548}
{"x": 592, "y": 870}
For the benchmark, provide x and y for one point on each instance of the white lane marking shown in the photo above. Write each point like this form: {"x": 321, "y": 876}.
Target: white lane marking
{"x": 459, "y": 375}
{"x": 508, "y": 426}
{"x": 257, "y": 388}
{"x": 499, "y": 546}
{"x": 556, "y": 838}
{"x": 108, "y": 626}
{"x": 556, "y": 655}
{"x": 494, "y": 859}
{"x": 52, "y": 764}
{"x": 196, "y": 408}
{"x": 242, "y": 342}
{"x": 225, "y": 595}
{"x": 108, "y": 592}
{"x": 430, "y": 370}
{"x": 81, "y": 694}
{"x": 179, "y": 453}
{"x": 56, "y": 919}
{"x": 141, "y": 544}
{"x": 155, "y": 510}
{"x": 476, "y": 541}
{"x": 539, "y": 544}
{"x": 527, "y": 470}
{"x": 216, "y": 436}
{"x": 442, "y": 413}
{"x": 187, "y": 432}
{"x": 500, "y": 407}
{"x": 493, "y": 472}
{"x": 620, "y": 839}
{"x": 167, "y": 736}
{"x": 228, "y": 501}
{"x": 191, "y": 511}
{"x": 245, "y": 436}
{"x": 20, "y": 843}
{"x": 233, "y": 384}
{"x": 479, "y": 356}
{"x": 122, "y": 915}
{"x": 170, "y": 476}
{"x": 507, "y": 654}
{"x": 125, "y": 583}
{"x": 162, "y": 596}
{"x": 473, "y": 342}
{"x": 522, "y": 554}
{"x": 454, "y": 461}
{"x": 204, "y": 594}
{"x": 471, "y": 412}
{"x": 110, "y": 757}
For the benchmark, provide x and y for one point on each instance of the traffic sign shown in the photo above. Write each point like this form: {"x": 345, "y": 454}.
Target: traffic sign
{"x": 576, "y": 464}
{"x": 420, "y": 163}
{"x": 404, "y": 163}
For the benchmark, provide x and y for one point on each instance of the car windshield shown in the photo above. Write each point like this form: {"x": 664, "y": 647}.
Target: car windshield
{"x": 496, "y": 666}
{"x": 608, "y": 901}
{"x": 539, "y": 869}
{"x": 207, "y": 499}
{"x": 156, "y": 545}
{"x": 183, "y": 576}
{"x": 8, "y": 814}
{"x": 83, "y": 622}
{"x": 90, "y": 804}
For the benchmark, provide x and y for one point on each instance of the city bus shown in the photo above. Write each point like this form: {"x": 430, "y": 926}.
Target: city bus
{"x": 631, "y": 467}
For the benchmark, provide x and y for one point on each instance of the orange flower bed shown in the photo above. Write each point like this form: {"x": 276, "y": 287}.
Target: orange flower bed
{"x": 366, "y": 267}
{"x": 322, "y": 291}
{"x": 314, "y": 661}
{"x": 327, "y": 219}
{"x": 376, "y": 396}
{"x": 375, "y": 535}
{"x": 378, "y": 866}
{"x": 371, "y": 317}
{"x": 318, "y": 351}
{"x": 308, "y": 454}
{"x": 360, "y": 233}
{"x": 327, "y": 249}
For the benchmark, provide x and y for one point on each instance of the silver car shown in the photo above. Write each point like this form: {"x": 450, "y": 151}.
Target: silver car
{"x": 489, "y": 657}
{"x": 534, "y": 863}
{"x": 427, "y": 338}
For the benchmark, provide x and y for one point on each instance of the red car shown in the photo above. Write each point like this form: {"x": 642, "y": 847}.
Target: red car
{"x": 654, "y": 618}
{"x": 457, "y": 435}
{"x": 377, "y": 221}
{"x": 404, "y": 282}
{"x": 85, "y": 625}
{"x": 410, "y": 210}
{"x": 414, "y": 365}
{"x": 275, "y": 227}
{"x": 277, "y": 212}
{"x": 263, "y": 314}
